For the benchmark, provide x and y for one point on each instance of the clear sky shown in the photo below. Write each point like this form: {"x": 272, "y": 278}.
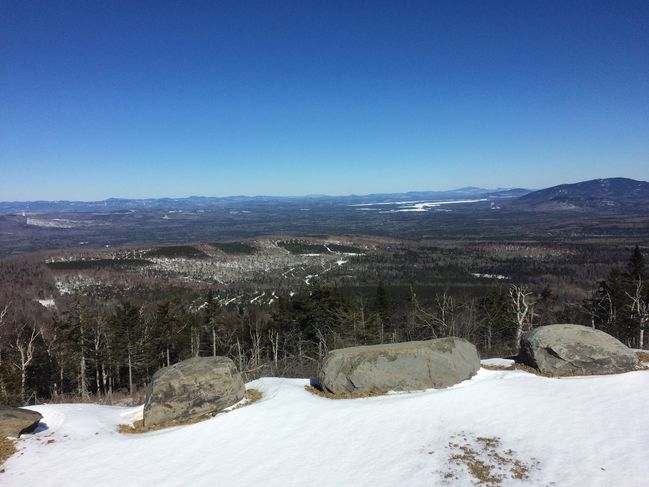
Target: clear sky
{"x": 138, "y": 99}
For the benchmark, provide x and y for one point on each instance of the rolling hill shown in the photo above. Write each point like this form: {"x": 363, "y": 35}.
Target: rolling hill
{"x": 612, "y": 193}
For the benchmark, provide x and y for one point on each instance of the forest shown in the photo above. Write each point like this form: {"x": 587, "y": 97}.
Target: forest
{"x": 103, "y": 344}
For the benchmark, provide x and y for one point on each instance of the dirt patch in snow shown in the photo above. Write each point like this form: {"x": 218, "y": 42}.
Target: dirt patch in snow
{"x": 497, "y": 367}
{"x": 7, "y": 448}
{"x": 349, "y": 395}
{"x": 486, "y": 460}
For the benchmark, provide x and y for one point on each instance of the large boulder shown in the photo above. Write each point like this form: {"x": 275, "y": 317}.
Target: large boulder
{"x": 193, "y": 387}
{"x": 399, "y": 366}
{"x": 16, "y": 421}
{"x": 575, "y": 349}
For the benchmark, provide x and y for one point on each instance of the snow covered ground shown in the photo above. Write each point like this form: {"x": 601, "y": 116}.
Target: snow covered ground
{"x": 569, "y": 432}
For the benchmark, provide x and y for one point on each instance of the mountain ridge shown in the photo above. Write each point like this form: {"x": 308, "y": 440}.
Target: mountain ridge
{"x": 215, "y": 202}
{"x": 605, "y": 193}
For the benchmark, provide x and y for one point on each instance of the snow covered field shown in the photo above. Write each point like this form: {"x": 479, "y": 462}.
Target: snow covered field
{"x": 578, "y": 431}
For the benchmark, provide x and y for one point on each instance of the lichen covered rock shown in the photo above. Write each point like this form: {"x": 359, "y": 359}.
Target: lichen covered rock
{"x": 575, "y": 349}
{"x": 404, "y": 366}
{"x": 16, "y": 421}
{"x": 193, "y": 387}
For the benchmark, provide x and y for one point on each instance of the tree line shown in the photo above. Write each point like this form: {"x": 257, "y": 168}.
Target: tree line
{"x": 93, "y": 347}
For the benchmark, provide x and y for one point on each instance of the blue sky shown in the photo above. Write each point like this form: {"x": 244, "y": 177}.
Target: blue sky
{"x": 137, "y": 99}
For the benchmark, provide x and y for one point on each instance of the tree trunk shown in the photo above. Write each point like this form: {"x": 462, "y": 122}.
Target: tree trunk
{"x": 23, "y": 380}
{"x": 240, "y": 356}
{"x": 97, "y": 366}
{"x": 103, "y": 378}
{"x": 61, "y": 373}
{"x": 130, "y": 375}
{"x": 83, "y": 383}
{"x": 641, "y": 339}
{"x": 83, "y": 386}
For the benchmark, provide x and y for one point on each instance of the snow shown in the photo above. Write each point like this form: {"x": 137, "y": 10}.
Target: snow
{"x": 47, "y": 303}
{"x": 489, "y": 276}
{"x": 500, "y": 362}
{"x": 415, "y": 206}
{"x": 577, "y": 431}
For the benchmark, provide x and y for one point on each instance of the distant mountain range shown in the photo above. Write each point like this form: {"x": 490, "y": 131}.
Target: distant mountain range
{"x": 618, "y": 193}
{"x": 613, "y": 193}
{"x": 208, "y": 202}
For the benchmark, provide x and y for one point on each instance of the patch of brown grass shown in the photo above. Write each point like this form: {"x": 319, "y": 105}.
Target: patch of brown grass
{"x": 497, "y": 367}
{"x": 251, "y": 396}
{"x": 7, "y": 448}
{"x": 486, "y": 461}
{"x": 643, "y": 357}
{"x": 138, "y": 426}
{"x": 349, "y": 395}
{"x": 532, "y": 370}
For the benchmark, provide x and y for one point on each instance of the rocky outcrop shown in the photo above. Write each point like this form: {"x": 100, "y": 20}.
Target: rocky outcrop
{"x": 16, "y": 421}
{"x": 575, "y": 349}
{"x": 399, "y": 366}
{"x": 191, "y": 388}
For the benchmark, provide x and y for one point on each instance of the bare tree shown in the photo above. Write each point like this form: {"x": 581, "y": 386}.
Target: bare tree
{"x": 419, "y": 315}
{"x": 3, "y": 313}
{"x": 523, "y": 309}
{"x": 273, "y": 338}
{"x": 639, "y": 309}
{"x": 24, "y": 345}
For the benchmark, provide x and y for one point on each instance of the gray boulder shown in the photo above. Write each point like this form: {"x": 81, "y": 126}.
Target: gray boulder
{"x": 399, "y": 366}
{"x": 16, "y": 421}
{"x": 575, "y": 349}
{"x": 193, "y": 387}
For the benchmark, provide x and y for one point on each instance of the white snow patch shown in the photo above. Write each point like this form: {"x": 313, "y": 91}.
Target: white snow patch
{"x": 62, "y": 287}
{"x": 229, "y": 301}
{"x": 488, "y": 276}
{"x": 47, "y": 303}
{"x": 501, "y": 362}
{"x": 418, "y": 205}
{"x": 582, "y": 431}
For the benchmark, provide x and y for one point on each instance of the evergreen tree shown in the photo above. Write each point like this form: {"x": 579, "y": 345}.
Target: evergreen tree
{"x": 128, "y": 344}
{"x": 636, "y": 265}
{"x": 544, "y": 308}
{"x": 382, "y": 310}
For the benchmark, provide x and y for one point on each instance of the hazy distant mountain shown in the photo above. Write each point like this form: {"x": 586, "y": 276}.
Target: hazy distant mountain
{"x": 231, "y": 202}
{"x": 594, "y": 194}
{"x": 613, "y": 193}
{"x": 508, "y": 193}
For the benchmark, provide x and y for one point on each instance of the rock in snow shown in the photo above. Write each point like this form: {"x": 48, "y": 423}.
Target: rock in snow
{"x": 193, "y": 387}
{"x": 399, "y": 366}
{"x": 15, "y": 421}
{"x": 568, "y": 349}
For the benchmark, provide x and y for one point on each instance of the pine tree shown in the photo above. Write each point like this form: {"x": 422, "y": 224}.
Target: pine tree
{"x": 127, "y": 325}
{"x": 382, "y": 309}
{"x": 636, "y": 265}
